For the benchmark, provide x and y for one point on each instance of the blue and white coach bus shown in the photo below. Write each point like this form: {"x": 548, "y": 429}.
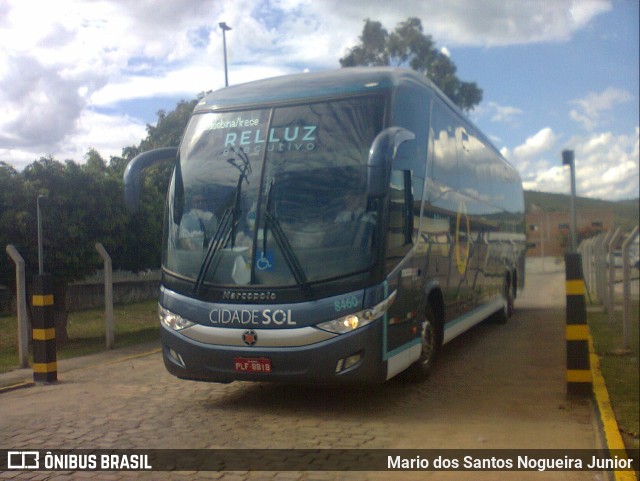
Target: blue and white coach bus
{"x": 331, "y": 227}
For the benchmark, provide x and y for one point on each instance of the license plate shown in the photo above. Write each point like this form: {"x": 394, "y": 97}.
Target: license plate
{"x": 252, "y": 364}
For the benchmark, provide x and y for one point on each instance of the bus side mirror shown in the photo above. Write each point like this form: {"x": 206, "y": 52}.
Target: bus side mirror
{"x": 382, "y": 154}
{"x": 132, "y": 173}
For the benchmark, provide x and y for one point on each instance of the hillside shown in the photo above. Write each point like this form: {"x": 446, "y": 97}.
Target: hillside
{"x": 626, "y": 212}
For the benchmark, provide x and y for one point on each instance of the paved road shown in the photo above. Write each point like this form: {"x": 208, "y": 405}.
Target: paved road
{"x": 494, "y": 387}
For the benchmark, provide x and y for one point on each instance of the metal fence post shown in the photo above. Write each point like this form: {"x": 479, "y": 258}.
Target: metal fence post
{"x": 602, "y": 269}
{"x": 588, "y": 262}
{"x": 108, "y": 294}
{"x": 611, "y": 296}
{"x": 585, "y": 253}
{"x": 596, "y": 263}
{"x": 21, "y": 306}
{"x": 592, "y": 273}
{"x": 626, "y": 288}
{"x": 584, "y": 249}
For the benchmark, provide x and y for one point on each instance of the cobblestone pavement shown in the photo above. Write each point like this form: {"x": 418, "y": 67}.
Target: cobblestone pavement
{"x": 497, "y": 386}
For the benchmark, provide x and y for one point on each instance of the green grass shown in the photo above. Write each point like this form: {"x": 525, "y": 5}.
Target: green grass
{"x": 134, "y": 324}
{"x": 620, "y": 369}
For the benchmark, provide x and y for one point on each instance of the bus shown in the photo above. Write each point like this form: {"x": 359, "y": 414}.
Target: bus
{"x": 331, "y": 227}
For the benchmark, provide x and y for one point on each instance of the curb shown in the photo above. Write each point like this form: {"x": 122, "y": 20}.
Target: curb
{"x": 128, "y": 357}
{"x": 26, "y": 382}
{"x": 612, "y": 436}
{"x": 19, "y": 385}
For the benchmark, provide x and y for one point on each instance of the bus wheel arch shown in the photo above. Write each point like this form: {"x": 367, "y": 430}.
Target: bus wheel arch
{"x": 508, "y": 293}
{"x": 431, "y": 335}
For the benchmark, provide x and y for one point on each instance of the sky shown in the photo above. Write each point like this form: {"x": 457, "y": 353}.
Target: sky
{"x": 555, "y": 74}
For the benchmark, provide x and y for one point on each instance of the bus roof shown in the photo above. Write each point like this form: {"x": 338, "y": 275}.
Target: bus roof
{"x": 324, "y": 84}
{"x": 352, "y": 80}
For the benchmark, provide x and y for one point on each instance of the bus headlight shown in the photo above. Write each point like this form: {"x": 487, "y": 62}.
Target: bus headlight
{"x": 173, "y": 321}
{"x": 345, "y": 324}
{"x": 359, "y": 319}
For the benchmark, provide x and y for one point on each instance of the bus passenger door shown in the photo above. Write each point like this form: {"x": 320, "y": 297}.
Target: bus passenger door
{"x": 401, "y": 265}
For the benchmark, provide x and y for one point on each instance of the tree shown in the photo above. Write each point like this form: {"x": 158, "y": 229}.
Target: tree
{"x": 12, "y": 217}
{"x": 169, "y": 128}
{"x": 84, "y": 204}
{"x": 408, "y": 45}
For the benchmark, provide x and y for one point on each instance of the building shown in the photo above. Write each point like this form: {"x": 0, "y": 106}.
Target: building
{"x": 548, "y": 232}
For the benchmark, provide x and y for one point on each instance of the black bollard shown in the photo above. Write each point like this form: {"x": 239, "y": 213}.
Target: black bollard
{"x": 579, "y": 379}
{"x": 45, "y": 367}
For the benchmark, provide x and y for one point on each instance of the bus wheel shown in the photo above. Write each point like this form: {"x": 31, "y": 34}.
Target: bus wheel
{"x": 503, "y": 315}
{"x": 431, "y": 339}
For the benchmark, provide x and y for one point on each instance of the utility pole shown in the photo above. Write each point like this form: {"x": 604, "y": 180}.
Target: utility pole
{"x": 568, "y": 158}
{"x": 225, "y": 28}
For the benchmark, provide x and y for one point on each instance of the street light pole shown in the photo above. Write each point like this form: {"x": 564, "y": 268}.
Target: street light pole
{"x": 578, "y": 375}
{"x": 40, "y": 253}
{"x": 225, "y": 28}
{"x": 568, "y": 158}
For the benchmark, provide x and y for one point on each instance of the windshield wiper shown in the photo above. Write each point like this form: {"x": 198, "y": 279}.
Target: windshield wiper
{"x": 226, "y": 230}
{"x": 244, "y": 169}
{"x": 217, "y": 242}
{"x": 272, "y": 222}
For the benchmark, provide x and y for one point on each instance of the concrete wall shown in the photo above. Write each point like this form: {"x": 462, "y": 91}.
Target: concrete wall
{"x": 5, "y": 300}
{"x": 87, "y": 296}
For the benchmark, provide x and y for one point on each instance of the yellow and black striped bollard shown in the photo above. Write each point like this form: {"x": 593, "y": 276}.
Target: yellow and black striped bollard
{"x": 579, "y": 380}
{"x": 45, "y": 367}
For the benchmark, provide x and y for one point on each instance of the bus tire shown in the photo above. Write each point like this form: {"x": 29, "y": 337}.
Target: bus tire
{"x": 431, "y": 339}
{"x": 503, "y": 315}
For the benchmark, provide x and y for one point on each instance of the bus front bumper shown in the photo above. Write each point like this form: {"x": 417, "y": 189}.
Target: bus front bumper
{"x": 354, "y": 358}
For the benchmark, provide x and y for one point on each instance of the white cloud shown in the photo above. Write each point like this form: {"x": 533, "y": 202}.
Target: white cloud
{"x": 188, "y": 81}
{"x": 38, "y": 104}
{"x": 590, "y": 110}
{"x": 18, "y": 158}
{"x": 54, "y": 64}
{"x": 606, "y": 165}
{"x": 541, "y": 142}
{"x": 107, "y": 134}
{"x": 551, "y": 179}
{"x": 316, "y": 34}
{"x": 74, "y": 56}
{"x": 479, "y": 22}
{"x": 497, "y": 112}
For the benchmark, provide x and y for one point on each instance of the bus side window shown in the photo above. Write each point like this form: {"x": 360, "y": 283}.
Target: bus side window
{"x": 444, "y": 167}
{"x": 399, "y": 238}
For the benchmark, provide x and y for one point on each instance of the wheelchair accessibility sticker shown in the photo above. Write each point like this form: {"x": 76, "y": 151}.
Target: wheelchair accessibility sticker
{"x": 264, "y": 262}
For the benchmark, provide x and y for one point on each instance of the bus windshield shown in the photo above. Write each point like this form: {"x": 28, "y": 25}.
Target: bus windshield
{"x": 273, "y": 196}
